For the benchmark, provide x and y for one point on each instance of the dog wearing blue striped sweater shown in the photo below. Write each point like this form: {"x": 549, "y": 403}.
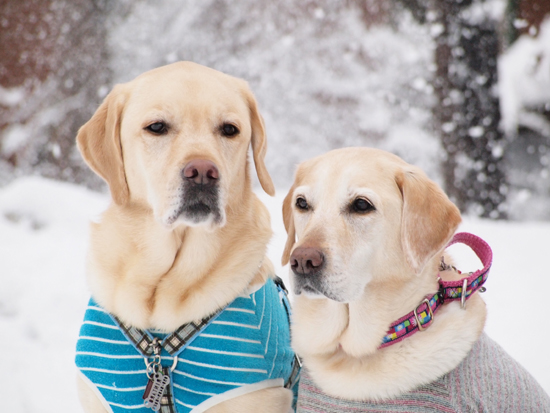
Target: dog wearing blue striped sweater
{"x": 184, "y": 314}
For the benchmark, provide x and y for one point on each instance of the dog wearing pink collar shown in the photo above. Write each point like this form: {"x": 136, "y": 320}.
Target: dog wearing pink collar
{"x": 380, "y": 321}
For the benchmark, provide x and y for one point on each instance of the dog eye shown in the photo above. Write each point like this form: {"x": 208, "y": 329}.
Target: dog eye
{"x": 361, "y": 205}
{"x": 158, "y": 128}
{"x": 302, "y": 204}
{"x": 229, "y": 130}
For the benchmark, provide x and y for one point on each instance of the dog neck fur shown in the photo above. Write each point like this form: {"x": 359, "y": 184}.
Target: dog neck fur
{"x": 150, "y": 276}
{"x": 344, "y": 358}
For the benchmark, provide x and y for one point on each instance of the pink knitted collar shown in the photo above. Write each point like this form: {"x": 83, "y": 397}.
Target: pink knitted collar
{"x": 423, "y": 315}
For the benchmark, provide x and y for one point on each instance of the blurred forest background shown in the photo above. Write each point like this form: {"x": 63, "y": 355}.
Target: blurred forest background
{"x": 460, "y": 88}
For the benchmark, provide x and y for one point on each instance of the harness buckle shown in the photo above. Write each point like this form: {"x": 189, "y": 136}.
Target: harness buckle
{"x": 430, "y": 312}
{"x": 295, "y": 373}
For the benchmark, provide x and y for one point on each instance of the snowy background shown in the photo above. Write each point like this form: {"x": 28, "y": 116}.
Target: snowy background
{"x": 43, "y": 236}
{"x": 325, "y": 75}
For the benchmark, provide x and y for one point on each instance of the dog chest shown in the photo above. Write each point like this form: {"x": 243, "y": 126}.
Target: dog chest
{"x": 246, "y": 344}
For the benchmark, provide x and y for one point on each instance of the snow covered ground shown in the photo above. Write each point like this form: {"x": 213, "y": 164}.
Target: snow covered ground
{"x": 43, "y": 240}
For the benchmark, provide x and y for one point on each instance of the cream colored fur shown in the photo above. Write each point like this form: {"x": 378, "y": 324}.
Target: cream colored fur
{"x": 379, "y": 266}
{"x": 145, "y": 267}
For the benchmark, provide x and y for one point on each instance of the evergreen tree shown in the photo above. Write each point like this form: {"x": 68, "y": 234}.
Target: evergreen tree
{"x": 467, "y": 112}
{"x": 468, "y": 107}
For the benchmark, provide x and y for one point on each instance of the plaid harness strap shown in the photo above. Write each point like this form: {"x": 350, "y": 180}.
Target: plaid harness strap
{"x": 173, "y": 343}
{"x": 423, "y": 316}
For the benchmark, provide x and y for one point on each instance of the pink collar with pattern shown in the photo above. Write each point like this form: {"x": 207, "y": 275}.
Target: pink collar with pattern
{"x": 423, "y": 315}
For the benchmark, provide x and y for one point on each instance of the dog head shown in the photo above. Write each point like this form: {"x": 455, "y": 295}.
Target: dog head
{"x": 355, "y": 215}
{"x": 175, "y": 140}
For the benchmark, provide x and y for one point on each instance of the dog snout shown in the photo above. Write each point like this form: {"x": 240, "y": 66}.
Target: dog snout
{"x": 306, "y": 261}
{"x": 201, "y": 172}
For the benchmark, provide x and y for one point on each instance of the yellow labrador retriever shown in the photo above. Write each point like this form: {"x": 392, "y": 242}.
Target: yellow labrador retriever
{"x": 184, "y": 313}
{"x": 366, "y": 234}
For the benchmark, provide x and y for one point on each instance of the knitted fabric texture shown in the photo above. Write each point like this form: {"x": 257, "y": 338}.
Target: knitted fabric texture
{"x": 246, "y": 347}
{"x": 487, "y": 380}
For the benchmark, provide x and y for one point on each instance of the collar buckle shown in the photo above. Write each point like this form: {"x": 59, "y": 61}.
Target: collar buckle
{"x": 430, "y": 313}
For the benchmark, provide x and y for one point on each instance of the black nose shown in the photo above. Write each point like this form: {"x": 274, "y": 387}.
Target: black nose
{"x": 201, "y": 172}
{"x": 306, "y": 261}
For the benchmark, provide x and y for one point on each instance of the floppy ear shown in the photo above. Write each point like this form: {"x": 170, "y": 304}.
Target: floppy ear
{"x": 289, "y": 226}
{"x": 99, "y": 143}
{"x": 429, "y": 218}
{"x": 259, "y": 145}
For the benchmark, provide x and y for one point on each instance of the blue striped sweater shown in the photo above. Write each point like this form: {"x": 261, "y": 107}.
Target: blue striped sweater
{"x": 245, "y": 348}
